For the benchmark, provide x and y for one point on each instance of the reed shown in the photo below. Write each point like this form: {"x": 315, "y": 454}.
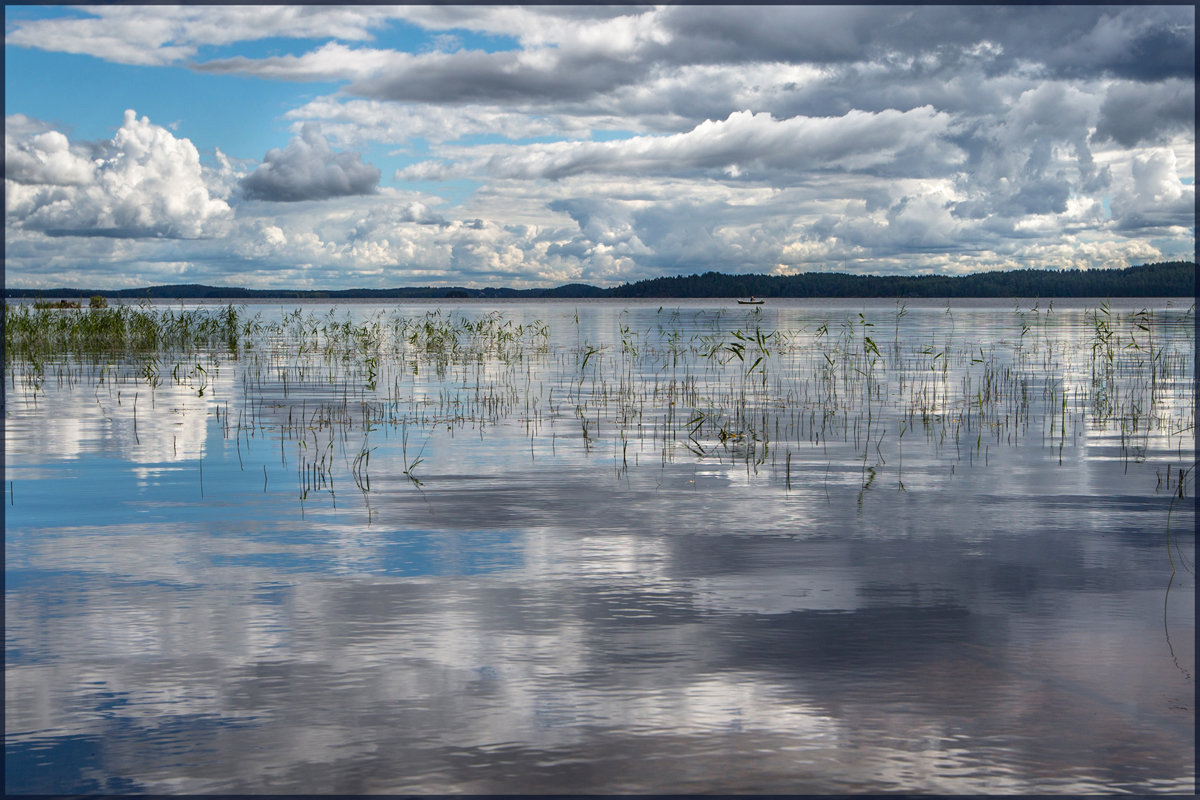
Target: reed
{"x": 34, "y": 333}
{"x": 713, "y": 387}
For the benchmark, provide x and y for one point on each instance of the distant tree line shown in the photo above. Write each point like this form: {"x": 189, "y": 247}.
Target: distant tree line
{"x": 1165, "y": 279}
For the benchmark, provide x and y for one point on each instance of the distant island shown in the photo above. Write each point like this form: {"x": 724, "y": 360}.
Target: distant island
{"x": 1165, "y": 279}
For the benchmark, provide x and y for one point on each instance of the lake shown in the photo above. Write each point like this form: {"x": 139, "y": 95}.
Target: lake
{"x": 814, "y": 546}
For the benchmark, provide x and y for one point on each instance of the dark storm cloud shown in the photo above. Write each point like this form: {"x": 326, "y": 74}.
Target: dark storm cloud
{"x": 1046, "y": 196}
{"x": 476, "y": 76}
{"x": 812, "y": 34}
{"x": 308, "y": 169}
{"x": 1143, "y": 43}
{"x": 1133, "y": 113}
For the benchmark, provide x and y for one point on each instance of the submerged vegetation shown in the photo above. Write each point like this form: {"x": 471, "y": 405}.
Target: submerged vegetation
{"x": 704, "y": 386}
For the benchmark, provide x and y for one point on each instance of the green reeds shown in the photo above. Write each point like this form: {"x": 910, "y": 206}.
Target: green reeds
{"x": 37, "y": 334}
{"x": 710, "y": 387}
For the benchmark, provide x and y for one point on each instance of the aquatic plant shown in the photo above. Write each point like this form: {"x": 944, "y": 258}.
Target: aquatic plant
{"x": 709, "y": 387}
{"x": 34, "y": 333}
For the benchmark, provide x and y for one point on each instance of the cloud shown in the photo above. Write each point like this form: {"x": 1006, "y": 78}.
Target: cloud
{"x": 309, "y": 169}
{"x": 142, "y": 183}
{"x": 464, "y": 76}
{"x": 46, "y": 158}
{"x": 745, "y": 142}
{"x": 150, "y": 35}
{"x": 602, "y": 48}
{"x": 795, "y": 229}
{"x": 808, "y": 34}
{"x": 331, "y": 62}
{"x": 355, "y": 121}
{"x": 1029, "y": 156}
{"x": 1155, "y": 197}
{"x": 564, "y": 57}
{"x": 474, "y": 76}
{"x": 1143, "y": 43}
{"x": 1133, "y": 113}
{"x": 394, "y": 220}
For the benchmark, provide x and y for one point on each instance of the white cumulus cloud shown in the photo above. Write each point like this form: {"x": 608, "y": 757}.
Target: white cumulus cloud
{"x": 144, "y": 182}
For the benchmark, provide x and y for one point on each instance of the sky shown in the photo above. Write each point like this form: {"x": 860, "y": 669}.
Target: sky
{"x": 331, "y": 147}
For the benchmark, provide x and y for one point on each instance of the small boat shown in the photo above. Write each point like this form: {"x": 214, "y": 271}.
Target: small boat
{"x": 753, "y": 301}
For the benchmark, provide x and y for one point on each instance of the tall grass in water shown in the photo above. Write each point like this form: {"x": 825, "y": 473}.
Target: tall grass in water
{"x": 34, "y": 334}
{"x": 713, "y": 387}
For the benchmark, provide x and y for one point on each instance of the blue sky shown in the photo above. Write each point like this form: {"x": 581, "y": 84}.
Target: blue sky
{"x": 332, "y": 147}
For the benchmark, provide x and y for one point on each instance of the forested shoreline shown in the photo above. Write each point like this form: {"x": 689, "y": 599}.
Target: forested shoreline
{"x": 1164, "y": 279}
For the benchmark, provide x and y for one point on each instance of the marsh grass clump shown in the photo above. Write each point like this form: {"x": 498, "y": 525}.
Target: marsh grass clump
{"x": 39, "y": 334}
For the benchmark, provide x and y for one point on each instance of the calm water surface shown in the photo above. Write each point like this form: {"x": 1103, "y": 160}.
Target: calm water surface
{"x": 914, "y": 548}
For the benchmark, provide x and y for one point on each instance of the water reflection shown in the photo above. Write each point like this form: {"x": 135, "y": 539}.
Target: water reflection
{"x": 223, "y": 609}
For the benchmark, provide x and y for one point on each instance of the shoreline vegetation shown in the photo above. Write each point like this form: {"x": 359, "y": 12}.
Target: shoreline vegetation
{"x": 1164, "y": 279}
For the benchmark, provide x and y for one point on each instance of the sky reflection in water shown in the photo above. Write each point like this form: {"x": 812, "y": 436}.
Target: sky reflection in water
{"x": 947, "y": 610}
